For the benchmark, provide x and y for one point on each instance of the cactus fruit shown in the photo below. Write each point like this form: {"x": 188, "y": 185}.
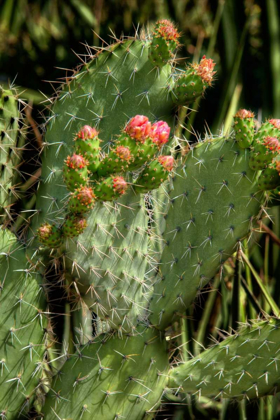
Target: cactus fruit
{"x": 87, "y": 144}
{"x": 75, "y": 171}
{"x": 136, "y": 231}
{"x": 50, "y": 235}
{"x": 116, "y": 161}
{"x": 110, "y": 188}
{"x": 244, "y": 128}
{"x": 269, "y": 178}
{"x": 192, "y": 83}
{"x": 81, "y": 200}
{"x": 74, "y": 225}
{"x": 244, "y": 365}
{"x": 154, "y": 174}
{"x": 270, "y": 128}
{"x": 164, "y": 43}
{"x": 266, "y": 144}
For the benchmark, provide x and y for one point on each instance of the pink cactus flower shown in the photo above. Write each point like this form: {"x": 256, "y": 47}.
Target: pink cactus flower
{"x": 139, "y": 128}
{"x": 160, "y": 133}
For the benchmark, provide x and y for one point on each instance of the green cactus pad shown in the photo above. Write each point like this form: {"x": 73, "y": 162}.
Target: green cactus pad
{"x": 23, "y": 337}
{"x": 111, "y": 259}
{"x": 213, "y": 202}
{"x": 118, "y": 95}
{"x": 244, "y": 365}
{"x": 111, "y": 378}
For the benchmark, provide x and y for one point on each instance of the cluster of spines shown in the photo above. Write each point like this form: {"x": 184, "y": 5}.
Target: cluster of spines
{"x": 89, "y": 177}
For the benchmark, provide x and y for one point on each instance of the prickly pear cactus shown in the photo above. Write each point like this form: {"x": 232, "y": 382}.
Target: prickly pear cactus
{"x": 132, "y": 230}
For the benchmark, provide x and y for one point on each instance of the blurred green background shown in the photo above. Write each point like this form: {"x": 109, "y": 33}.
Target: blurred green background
{"x": 37, "y": 40}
